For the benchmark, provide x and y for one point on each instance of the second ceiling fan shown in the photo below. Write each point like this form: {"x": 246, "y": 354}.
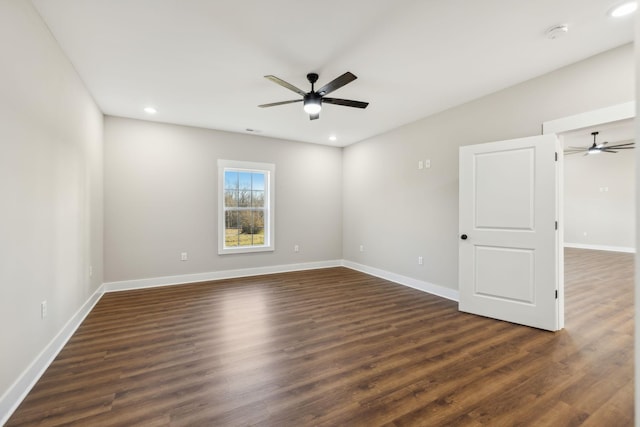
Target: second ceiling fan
{"x": 601, "y": 147}
{"x": 313, "y": 100}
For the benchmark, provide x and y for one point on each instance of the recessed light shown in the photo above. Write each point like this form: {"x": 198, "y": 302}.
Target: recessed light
{"x": 332, "y": 138}
{"x": 150, "y": 110}
{"x": 624, "y": 9}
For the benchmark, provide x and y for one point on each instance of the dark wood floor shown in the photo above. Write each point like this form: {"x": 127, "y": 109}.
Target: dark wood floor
{"x": 336, "y": 347}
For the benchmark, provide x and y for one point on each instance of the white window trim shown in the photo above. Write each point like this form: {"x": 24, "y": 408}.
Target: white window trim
{"x": 269, "y": 231}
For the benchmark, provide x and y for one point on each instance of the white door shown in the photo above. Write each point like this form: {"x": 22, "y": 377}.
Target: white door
{"x": 509, "y": 264}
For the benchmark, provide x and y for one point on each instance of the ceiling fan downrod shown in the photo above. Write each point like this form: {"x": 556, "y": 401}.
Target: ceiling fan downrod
{"x": 313, "y": 78}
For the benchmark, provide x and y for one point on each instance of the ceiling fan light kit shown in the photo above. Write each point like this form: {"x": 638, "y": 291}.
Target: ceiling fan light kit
{"x": 312, "y": 104}
{"x": 312, "y": 101}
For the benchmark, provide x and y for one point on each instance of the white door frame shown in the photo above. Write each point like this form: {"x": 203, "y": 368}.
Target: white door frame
{"x": 587, "y": 119}
{"x": 610, "y": 114}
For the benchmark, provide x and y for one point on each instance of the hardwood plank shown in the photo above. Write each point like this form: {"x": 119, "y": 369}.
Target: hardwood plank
{"x": 338, "y": 347}
{"x": 617, "y": 412}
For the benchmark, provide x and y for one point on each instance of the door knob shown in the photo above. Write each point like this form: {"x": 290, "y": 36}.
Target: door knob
{"x": 463, "y": 237}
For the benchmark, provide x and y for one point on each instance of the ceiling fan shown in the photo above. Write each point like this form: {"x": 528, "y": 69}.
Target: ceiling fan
{"x": 602, "y": 147}
{"x": 313, "y": 100}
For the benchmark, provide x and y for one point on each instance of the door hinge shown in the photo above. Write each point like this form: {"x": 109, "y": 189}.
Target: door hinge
{"x": 556, "y": 294}
{"x": 556, "y": 225}
{"x": 556, "y": 156}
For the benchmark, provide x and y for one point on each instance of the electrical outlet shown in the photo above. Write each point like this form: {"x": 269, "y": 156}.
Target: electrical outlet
{"x": 420, "y": 164}
{"x": 361, "y": 248}
{"x": 420, "y": 260}
{"x": 296, "y": 248}
{"x": 183, "y": 256}
{"x": 43, "y": 309}
{"x": 427, "y": 163}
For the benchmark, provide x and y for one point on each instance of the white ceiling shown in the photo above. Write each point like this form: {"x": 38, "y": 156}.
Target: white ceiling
{"x": 202, "y": 62}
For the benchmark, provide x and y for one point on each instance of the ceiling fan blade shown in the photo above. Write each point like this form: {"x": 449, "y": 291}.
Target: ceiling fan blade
{"x": 625, "y": 141}
{"x": 273, "y": 104}
{"x": 622, "y": 148}
{"x": 622, "y": 145}
{"x": 282, "y": 83}
{"x": 566, "y": 153}
{"x": 607, "y": 150}
{"x": 336, "y": 83}
{"x": 345, "y": 102}
{"x": 579, "y": 148}
{"x": 314, "y": 116}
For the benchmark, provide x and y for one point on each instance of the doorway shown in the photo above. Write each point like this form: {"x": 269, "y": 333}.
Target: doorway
{"x": 599, "y": 188}
{"x": 587, "y": 122}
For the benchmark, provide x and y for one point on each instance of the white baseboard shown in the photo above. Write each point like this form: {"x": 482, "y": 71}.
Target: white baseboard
{"x": 420, "y": 285}
{"x": 215, "y": 275}
{"x": 153, "y": 282}
{"x": 601, "y": 247}
{"x": 12, "y": 398}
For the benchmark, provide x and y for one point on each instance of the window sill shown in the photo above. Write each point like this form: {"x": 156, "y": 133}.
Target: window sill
{"x": 245, "y": 250}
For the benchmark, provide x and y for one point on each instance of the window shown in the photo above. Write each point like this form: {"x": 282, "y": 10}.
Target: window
{"x": 245, "y": 206}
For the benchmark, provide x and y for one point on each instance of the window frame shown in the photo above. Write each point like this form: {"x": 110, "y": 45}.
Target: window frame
{"x": 269, "y": 169}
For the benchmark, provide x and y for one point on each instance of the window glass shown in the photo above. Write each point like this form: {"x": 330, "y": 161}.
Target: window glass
{"x": 246, "y": 207}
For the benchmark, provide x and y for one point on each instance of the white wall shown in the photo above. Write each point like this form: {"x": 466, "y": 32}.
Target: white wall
{"x": 50, "y": 190}
{"x": 161, "y": 200}
{"x": 399, "y": 212}
{"x": 599, "y": 201}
